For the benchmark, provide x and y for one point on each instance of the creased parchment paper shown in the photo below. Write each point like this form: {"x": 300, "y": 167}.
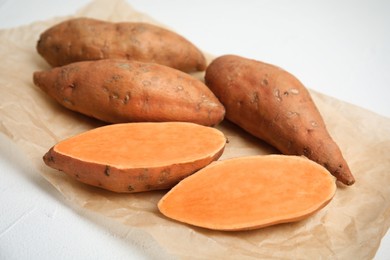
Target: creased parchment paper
{"x": 350, "y": 227}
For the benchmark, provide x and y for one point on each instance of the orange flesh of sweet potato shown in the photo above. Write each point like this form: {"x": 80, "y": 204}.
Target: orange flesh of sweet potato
{"x": 250, "y": 192}
{"x": 83, "y": 39}
{"x": 136, "y": 157}
{"x": 120, "y": 91}
{"x": 274, "y": 106}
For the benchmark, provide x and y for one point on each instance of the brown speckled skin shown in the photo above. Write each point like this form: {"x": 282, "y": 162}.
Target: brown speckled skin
{"x": 119, "y": 91}
{"x": 273, "y": 105}
{"x": 82, "y": 39}
{"x": 127, "y": 180}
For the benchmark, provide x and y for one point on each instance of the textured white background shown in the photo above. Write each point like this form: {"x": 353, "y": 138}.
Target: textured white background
{"x": 339, "y": 48}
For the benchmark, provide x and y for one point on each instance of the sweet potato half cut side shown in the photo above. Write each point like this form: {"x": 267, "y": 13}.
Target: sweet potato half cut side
{"x": 135, "y": 157}
{"x": 250, "y": 192}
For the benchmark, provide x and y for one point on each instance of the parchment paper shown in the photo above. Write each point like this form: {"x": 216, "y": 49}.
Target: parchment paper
{"x": 350, "y": 227}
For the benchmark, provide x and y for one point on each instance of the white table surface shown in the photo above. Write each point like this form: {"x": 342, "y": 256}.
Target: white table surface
{"x": 340, "y": 48}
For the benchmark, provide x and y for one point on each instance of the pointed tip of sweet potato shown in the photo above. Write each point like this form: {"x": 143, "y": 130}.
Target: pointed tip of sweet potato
{"x": 37, "y": 78}
{"x": 42, "y": 79}
{"x": 345, "y": 176}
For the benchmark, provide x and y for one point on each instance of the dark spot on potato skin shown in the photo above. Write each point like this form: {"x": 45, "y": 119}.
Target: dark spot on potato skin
{"x": 56, "y": 48}
{"x": 307, "y": 152}
{"x": 116, "y": 78}
{"x": 264, "y": 82}
{"x": 107, "y": 170}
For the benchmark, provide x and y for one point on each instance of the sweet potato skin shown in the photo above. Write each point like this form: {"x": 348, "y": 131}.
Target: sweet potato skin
{"x": 82, "y": 39}
{"x": 273, "y": 105}
{"x": 125, "y": 179}
{"x": 117, "y": 91}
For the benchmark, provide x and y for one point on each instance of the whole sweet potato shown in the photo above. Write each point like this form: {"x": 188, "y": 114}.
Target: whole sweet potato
{"x": 118, "y": 91}
{"x": 82, "y": 39}
{"x": 273, "y": 105}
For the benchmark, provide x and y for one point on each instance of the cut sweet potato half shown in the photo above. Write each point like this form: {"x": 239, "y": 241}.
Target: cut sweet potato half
{"x": 250, "y": 192}
{"x": 134, "y": 157}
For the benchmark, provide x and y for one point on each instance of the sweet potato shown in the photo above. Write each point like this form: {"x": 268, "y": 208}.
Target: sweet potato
{"x": 250, "y": 192}
{"x": 273, "y": 105}
{"x": 135, "y": 157}
{"x": 90, "y": 39}
{"x": 119, "y": 91}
